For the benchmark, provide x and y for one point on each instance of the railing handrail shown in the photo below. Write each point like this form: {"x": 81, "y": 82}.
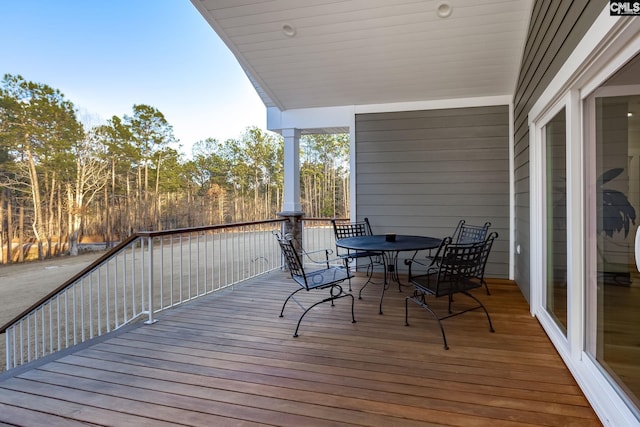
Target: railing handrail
{"x": 113, "y": 251}
{"x": 321, "y": 219}
{"x": 206, "y": 228}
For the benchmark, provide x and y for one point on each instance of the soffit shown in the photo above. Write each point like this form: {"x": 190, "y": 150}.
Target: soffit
{"x": 361, "y": 52}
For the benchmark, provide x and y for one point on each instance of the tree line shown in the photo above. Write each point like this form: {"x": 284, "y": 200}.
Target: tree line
{"x": 62, "y": 178}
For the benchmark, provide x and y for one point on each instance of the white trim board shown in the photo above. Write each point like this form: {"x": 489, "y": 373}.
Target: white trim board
{"x": 341, "y": 116}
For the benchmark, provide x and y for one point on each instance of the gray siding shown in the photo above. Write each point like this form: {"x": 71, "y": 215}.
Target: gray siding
{"x": 419, "y": 172}
{"x": 556, "y": 28}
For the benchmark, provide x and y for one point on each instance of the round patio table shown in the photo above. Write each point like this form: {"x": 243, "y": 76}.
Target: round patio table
{"x": 390, "y": 248}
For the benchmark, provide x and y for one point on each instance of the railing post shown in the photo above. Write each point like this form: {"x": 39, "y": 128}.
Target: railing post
{"x": 150, "y": 281}
{"x": 293, "y": 226}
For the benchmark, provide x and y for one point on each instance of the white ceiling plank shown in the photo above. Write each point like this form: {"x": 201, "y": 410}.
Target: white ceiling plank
{"x": 303, "y": 9}
{"x": 350, "y": 52}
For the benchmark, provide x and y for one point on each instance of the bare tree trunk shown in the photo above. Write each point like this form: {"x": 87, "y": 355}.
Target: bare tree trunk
{"x": 316, "y": 196}
{"x": 50, "y": 217}
{"x": 107, "y": 219}
{"x": 145, "y": 193}
{"x": 242, "y": 205}
{"x": 74, "y": 223}
{"x": 256, "y": 197}
{"x": 128, "y": 202}
{"x": 346, "y": 190}
{"x": 9, "y": 228}
{"x": 156, "y": 210}
{"x": 59, "y": 226}
{"x": 334, "y": 194}
{"x": 21, "y": 234}
{"x": 221, "y": 208}
{"x": 3, "y": 228}
{"x": 278, "y": 207}
{"x": 37, "y": 224}
{"x": 112, "y": 201}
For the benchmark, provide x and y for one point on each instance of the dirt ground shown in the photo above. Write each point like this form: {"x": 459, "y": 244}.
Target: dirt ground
{"x": 21, "y": 285}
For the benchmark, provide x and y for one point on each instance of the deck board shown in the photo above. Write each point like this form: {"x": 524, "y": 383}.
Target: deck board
{"x": 230, "y": 359}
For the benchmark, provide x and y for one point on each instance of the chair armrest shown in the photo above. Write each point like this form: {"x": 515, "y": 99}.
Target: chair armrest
{"x": 326, "y": 259}
{"x": 409, "y": 262}
{"x": 327, "y": 252}
{"x": 428, "y": 266}
{"x": 308, "y": 254}
{"x": 431, "y": 262}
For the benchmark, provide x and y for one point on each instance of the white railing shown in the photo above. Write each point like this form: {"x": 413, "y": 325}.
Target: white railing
{"x": 147, "y": 273}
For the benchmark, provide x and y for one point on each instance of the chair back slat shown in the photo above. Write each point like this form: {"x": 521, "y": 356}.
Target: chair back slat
{"x": 462, "y": 265}
{"x": 468, "y": 233}
{"x": 291, "y": 257}
{"x": 484, "y": 256}
{"x": 459, "y": 262}
{"x": 344, "y": 229}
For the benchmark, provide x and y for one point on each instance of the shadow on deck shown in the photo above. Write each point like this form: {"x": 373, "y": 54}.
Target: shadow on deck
{"x": 229, "y": 359}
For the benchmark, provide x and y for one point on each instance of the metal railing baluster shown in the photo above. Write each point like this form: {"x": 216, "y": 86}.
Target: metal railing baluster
{"x": 51, "y": 348}
{"x": 99, "y": 307}
{"x": 171, "y": 286}
{"x": 181, "y": 273}
{"x": 150, "y": 281}
{"x": 115, "y": 295}
{"x": 28, "y": 339}
{"x": 161, "y": 260}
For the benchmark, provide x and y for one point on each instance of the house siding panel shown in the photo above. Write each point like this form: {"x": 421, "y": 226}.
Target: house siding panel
{"x": 419, "y": 172}
{"x": 556, "y": 28}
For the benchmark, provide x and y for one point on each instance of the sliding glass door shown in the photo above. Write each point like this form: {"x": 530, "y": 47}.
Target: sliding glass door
{"x": 612, "y": 120}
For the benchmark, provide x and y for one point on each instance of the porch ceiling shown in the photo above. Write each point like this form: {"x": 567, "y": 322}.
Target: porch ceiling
{"x": 360, "y": 52}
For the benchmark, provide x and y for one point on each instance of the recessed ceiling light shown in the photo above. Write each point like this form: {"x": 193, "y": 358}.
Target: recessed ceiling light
{"x": 629, "y": 114}
{"x": 289, "y": 30}
{"x": 444, "y": 9}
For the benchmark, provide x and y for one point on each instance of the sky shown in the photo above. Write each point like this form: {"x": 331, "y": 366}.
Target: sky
{"x": 105, "y": 56}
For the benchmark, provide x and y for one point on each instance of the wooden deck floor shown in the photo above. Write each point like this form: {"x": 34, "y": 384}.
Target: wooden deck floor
{"x": 230, "y": 360}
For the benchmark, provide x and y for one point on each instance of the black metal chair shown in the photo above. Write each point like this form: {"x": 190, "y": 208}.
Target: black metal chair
{"x": 460, "y": 269}
{"x": 343, "y": 229}
{"x": 327, "y": 277}
{"x": 464, "y": 233}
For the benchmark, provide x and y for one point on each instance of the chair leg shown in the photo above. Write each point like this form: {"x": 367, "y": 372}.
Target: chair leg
{"x": 346, "y": 265}
{"x": 287, "y": 300}
{"x": 483, "y": 308}
{"x": 385, "y": 285}
{"x": 332, "y": 298}
{"x": 353, "y": 303}
{"x": 421, "y": 301}
{"x": 384, "y": 288}
{"x": 369, "y": 276}
{"x": 486, "y": 286}
{"x": 406, "y": 311}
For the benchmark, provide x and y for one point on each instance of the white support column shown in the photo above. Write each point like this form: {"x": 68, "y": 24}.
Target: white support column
{"x": 291, "y": 170}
